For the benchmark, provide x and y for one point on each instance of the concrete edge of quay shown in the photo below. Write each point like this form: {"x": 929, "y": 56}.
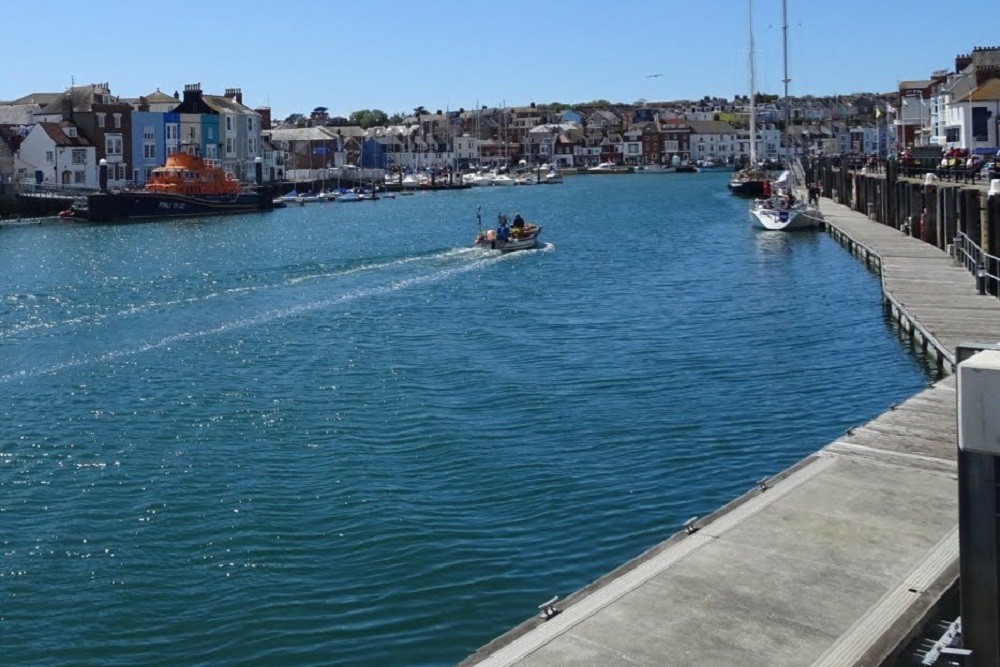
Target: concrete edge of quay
{"x": 565, "y": 603}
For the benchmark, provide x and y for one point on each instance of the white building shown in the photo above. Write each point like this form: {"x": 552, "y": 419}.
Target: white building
{"x": 57, "y": 154}
{"x": 712, "y": 138}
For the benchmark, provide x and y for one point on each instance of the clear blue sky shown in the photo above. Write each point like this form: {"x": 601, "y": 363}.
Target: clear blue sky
{"x": 448, "y": 54}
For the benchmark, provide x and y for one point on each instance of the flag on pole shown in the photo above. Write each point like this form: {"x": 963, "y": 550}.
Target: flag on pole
{"x": 878, "y": 112}
{"x": 889, "y": 108}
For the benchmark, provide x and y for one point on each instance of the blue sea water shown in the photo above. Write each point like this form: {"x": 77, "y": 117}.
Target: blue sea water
{"x": 339, "y": 435}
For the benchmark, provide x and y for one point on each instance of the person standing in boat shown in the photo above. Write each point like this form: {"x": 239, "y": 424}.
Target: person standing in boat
{"x": 518, "y": 222}
{"x": 766, "y": 189}
{"x": 503, "y": 233}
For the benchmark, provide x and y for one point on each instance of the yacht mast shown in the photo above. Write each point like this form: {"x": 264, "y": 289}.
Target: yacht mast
{"x": 753, "y": 92}
{"x": 785, "y": 80}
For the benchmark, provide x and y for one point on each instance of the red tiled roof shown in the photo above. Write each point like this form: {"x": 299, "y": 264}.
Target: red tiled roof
{"x": 56, "y": 133}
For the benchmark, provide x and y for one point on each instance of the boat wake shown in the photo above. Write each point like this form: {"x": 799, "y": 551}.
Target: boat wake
{"x": 364, "y": 281}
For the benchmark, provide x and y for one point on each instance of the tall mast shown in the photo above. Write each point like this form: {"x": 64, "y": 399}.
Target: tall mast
{"x": 785, "y": 80}
{"x": 753, "y": 91}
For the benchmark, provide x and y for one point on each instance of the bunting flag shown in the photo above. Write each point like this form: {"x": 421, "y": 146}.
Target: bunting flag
{"x": 890, "y": 108}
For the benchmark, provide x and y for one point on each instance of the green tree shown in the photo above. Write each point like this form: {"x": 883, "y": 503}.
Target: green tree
{"x": 368, "y": 118}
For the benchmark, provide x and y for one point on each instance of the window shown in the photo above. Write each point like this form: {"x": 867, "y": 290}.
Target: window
{"x": 250, "y": 124}
{"x": 980, "y": 116}
{"x": 79, "y": 177}
{"x": 230, "y": 146}
{"x": 147, "y": 173}
{"x": 149, "y": 150}
{"x": 229, "y": 123}
{"x": 171, "y": 131}
{"x": 100, "y": 119}
{"x": 49, "y": 156}
{"x": 79, "y": 156}
{"x": 251, "y": 149}
{"x": 118, "y": 120}
{"x": 113, "y": 144}
{"x": 147, "y": 132}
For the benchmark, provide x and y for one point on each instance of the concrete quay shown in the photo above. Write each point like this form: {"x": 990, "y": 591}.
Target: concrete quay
{"x": 834, "y": 562}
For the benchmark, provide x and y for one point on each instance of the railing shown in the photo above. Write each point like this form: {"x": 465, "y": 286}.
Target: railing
{"x": 985, "y": 267}
{"x": 54, "y": 190}
{"x": 946, "y": 169}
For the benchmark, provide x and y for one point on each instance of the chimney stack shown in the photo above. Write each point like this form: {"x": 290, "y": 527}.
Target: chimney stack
{"x": 265, "y": 117}
{"x": 192, "y": 94}
{"x": 235, "y": 94}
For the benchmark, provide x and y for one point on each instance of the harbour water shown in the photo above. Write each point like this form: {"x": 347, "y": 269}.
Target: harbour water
{"x": 338, "y": 435}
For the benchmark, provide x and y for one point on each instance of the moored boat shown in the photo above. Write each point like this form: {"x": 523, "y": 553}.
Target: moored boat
{"x": 780, "y": 211}
{"x": 186, "y": 186}
{"x": 552, "y": 176}
{"x": 749, "y": 182}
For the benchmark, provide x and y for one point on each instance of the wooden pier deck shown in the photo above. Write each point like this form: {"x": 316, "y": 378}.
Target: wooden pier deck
{"x": 831, "y": 563}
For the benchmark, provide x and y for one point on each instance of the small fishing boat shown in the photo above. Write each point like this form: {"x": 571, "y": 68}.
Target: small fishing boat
{"x": 521, "y": 235}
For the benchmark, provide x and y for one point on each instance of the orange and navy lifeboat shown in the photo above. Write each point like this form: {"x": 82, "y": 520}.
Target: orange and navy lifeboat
{"x": 186, "y": 174}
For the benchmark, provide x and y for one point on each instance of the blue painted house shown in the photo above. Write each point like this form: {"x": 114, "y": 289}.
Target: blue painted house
{"x": 373, "y": 155}
{"x": 148, "y": 145}
{"x": 211, "y": 139}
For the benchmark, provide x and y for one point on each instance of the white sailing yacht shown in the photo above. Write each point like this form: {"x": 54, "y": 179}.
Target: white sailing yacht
{"x": 781, "y": 211}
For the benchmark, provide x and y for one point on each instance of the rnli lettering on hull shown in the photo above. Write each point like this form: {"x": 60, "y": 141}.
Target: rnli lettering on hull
{"x": 176, "y": 205}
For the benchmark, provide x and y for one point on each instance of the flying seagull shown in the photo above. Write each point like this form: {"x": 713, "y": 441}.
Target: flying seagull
{"x": 653, "y": 76}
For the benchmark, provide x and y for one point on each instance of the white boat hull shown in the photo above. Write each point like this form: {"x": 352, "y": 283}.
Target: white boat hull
{"x": 785, "y": 220}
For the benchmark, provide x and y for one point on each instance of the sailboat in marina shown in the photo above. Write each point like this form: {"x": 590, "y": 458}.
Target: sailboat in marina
{"x": 780, "y": 211}
{"x": 749, "y": 181}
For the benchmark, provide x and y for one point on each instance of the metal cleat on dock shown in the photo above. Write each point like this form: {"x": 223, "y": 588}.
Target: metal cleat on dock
{"x": 690, "y": 525}
{"x": 548, "y": 609}
{"x": 762, "y": 484}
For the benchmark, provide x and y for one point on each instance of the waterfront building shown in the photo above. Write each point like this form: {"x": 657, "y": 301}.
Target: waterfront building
{"x": 676, "y": 138}
{"x": 769, "y": 138}
{"x": 57, "y": 153}
{"x": 15, "y": 122}
{"x": 652, "y": 142}
{"x": 711, "y": 138}
{"x": 466, "y": 151}
{"x": 632, "y": 152}
{"x": 148, "y": 143}
{"x": 304, "y": 153}
{"x": 238, "y": 132}
{"x": 104, "y": 120}
{"x": 274, "y": 160}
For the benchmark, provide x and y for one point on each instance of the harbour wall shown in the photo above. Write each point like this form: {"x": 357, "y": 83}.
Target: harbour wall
{"x": 918, "y": 203}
